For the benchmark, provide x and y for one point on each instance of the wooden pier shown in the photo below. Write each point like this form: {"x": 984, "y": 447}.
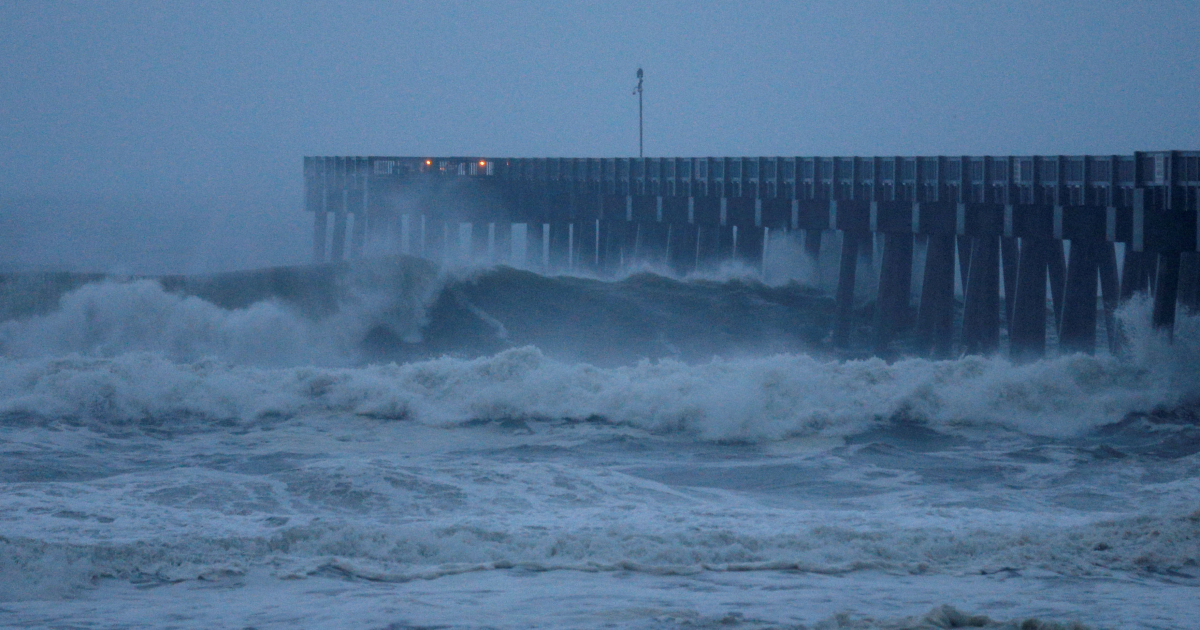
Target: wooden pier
{"x": 982, "y": 222}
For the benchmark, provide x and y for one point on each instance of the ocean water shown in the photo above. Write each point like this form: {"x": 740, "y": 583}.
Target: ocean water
{"x": 389, "y": 446}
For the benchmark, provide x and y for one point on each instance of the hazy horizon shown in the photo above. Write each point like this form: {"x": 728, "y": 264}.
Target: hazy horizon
{"x": 148, "y": 138}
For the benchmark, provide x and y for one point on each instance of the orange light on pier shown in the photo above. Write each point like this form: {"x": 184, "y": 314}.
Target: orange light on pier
{"x": 482, "y": 163}
{"x": 428, "y": 162}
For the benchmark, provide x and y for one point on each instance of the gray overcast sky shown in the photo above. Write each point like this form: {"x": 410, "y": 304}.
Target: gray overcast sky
{"x": 168, "y": 136}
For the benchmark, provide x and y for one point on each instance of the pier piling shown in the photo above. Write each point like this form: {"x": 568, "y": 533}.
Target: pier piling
{"x": 1077, "y": 332}
{"x": 981, "y": 311}
{"x": 847, "y": 273}
{"x": 1027, "y": 335}
{"x": 895, "y": 278}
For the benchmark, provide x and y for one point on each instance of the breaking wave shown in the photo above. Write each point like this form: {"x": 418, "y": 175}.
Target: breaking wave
{"x": 118, "y": 354}
{"x": 753, "y": 399}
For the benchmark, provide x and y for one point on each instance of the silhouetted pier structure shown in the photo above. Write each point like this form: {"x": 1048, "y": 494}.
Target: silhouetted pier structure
{"x": 1000, "y": 219}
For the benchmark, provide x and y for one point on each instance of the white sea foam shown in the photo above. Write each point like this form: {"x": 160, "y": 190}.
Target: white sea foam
{"x": 725, "y": 399}
{"x": 478, "y": 516}
{"x": 124, "y": 353}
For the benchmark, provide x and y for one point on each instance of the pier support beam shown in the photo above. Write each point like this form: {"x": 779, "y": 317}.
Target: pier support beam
{"x": 866, "y": 250}
{"x": 1152, "y": 267}
{"x": 1110, "y": 294}
{"x": 338, "y": 247}
{"x": 895, "y": 278}
{"x": 981, "y": 314}
{"x": 377, "y": 223}
{"x": 463, "y": 235}
{"x": 531, "y": 258}
{"x": 1009, "y": 253}
{"x": 422, "y": 228}
{"x": 683, "y": 248}
{"x": 613, "y": 239}
{"x": 812, "y": 247}
{"x": 1136, "y": 274}
{"x": 708, "y": 244}
{"x": 935, "y": 317}
{"x": 964, "y": 260}
{"x": 1166, "y": 292}
{"x": 603, "y": 234}
{"x": 632, "y": 249}
{"x": 391, "y": 230}
{"x": 1027, "y": 338}
{"x": 502, "y": 242}
{"x": 560, "y": 245}
{"x": 358, "y": 234}
{"x": 653, "y": 241}
{"x": 447, "y": 241}
{"x": 750, "y": 245}
{"x": 584, "y": 245}
{"x": 404, "y": 229}
{"x": 1077, "y": 333}
{"x": 724, "y": 242}
{"x": 481, "y": 238}
{"x": 320, "y": 222}
{"x": 541, "y": 246}
{"x": 1056, "y": 267}
{"x": 1189, "y": 282}
{"x": 844, "y": 307}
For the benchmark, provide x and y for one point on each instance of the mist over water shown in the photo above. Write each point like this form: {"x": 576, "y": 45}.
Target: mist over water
{"x": 150, "y": 233}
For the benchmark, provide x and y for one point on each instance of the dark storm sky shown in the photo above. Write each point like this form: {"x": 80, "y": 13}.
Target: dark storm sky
{"x": 168, "y": 136}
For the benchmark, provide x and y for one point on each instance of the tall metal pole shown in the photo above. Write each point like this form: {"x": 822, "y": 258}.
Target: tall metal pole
{"x": 639, "y": 94}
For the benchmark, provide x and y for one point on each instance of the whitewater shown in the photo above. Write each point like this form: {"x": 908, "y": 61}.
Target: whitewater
{"x": 388, "y": 444}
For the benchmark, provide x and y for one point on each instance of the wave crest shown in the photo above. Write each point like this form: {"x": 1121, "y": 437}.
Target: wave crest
{"x": 752, "y": 399}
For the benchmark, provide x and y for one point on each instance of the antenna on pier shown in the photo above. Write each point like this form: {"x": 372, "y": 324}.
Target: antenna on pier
{"x": 638, "y": 91}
